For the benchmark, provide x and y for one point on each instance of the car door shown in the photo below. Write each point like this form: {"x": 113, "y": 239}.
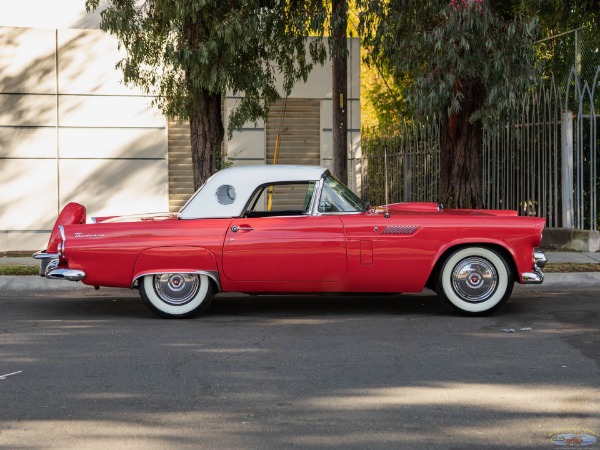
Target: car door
{"x": 389, "y": 254}
{"x": 285, "y": 248}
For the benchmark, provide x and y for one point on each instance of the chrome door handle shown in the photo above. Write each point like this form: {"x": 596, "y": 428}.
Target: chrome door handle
{"x": 236, "y": 228}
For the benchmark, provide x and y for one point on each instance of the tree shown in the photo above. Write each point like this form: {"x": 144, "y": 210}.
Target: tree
{"x": 469, "y": 61}
{"x": 190, "y": 53}
{"x": 339, "y": 89}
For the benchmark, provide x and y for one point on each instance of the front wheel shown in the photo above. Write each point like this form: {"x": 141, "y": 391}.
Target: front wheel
{"x": 475, "y": 280}
{"x": 177, "y": 295}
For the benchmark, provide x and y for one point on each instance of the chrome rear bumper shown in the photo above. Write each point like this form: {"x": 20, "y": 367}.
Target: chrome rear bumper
{"x": 49, "y": 268}
{"x": 45, "y": 259}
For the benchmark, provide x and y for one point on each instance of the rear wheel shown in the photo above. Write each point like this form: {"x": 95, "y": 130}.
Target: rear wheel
{"x": 475, "y": 280}
{"x": 177, "y": 295}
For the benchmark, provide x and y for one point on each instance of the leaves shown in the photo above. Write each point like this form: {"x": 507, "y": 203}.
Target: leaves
{"x": 442, "y": 42}
{"x": 176, "y": 49}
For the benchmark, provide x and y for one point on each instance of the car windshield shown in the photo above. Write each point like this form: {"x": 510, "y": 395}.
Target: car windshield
{"x": 338, "y": 198}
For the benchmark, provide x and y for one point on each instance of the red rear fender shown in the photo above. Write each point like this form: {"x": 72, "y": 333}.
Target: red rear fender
{"x": 175, "y": 260}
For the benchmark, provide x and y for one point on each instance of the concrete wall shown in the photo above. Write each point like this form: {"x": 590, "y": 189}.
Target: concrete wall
{"x": 70, "y": 131}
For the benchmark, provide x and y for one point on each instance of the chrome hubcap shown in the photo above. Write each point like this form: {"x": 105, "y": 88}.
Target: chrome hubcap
{"x": 474, "y": 279}
{"x": 176, "y": 288}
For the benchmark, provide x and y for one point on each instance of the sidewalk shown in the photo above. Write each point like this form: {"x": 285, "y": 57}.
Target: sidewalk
{"x": 573, "y": 257}
{"x": 4, "y": 261}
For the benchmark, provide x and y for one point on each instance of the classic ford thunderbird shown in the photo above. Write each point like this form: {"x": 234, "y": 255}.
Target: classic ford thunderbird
{"x": 296, "y": 229}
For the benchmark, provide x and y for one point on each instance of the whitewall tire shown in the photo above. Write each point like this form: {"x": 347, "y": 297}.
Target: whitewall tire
{"x": 475, "y": 280}
{"x": 177, "y": 295}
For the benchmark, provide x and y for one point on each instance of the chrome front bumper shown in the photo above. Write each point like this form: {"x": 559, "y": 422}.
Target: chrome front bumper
{"x": 49, "y": 268}
{"x": 536, "y": 276}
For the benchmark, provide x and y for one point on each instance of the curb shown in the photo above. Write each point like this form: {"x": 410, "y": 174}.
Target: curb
{"x": 578, "y": 278}
{"x": 36, "y": 285}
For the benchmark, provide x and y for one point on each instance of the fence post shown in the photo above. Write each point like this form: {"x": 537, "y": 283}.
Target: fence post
{"x": 407, "y": 177}
{"x": 567, "y": 169}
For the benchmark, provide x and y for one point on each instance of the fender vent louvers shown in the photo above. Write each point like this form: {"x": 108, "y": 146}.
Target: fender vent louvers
{"x": 404, "y": 229}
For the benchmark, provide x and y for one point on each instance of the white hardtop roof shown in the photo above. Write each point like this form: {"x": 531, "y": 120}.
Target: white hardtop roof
{"x": 245, "y": 180}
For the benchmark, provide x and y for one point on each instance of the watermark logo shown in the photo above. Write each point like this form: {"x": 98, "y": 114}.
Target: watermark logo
{"x": 574, "y": 438}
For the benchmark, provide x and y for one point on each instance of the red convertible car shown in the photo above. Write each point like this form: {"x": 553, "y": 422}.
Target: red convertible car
{"x": 296, "y": 229}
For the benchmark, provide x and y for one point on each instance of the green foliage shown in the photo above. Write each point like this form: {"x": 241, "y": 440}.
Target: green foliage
{"x": 382, "y": 97}
{"x": 18, "y": 270}
{"x": 177, "y": 48}
{"x": 562, "y": 24}
{"x": 444, "y": 43}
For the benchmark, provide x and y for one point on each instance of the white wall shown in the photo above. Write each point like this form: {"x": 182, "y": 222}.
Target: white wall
{"x": 70, "y": 131}
{"x": 51, "y": 14}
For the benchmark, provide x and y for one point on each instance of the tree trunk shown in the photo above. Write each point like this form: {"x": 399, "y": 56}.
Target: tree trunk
{"x": 206, "y": 137}
{"x": 339, "y": 25}
{"x": 461, "y": 174}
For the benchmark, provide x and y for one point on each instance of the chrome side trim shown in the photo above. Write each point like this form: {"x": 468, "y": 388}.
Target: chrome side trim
{"x": 65, "y": 274}
{"x": 213, "y": 274}
{"x": 540, "y": 258}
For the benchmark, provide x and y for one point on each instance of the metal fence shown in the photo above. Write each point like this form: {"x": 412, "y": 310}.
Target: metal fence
{"x": 521, "y": 158}
{"x": 409, "y": 151}
{"x": 542, "y": 163}
{"x": 580, "y": 152}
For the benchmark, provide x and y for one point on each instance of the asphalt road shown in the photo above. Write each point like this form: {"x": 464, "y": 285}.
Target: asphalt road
{"x": 99, "y": 370}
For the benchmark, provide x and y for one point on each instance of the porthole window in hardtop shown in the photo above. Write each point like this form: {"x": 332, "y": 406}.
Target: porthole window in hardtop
{"x": 226, "y": 194}
{"x": 338, "y": 198}
{"x": 281, "y": 200}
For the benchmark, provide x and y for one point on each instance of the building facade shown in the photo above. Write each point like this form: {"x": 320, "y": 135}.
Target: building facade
{"x": 71, "y": 131}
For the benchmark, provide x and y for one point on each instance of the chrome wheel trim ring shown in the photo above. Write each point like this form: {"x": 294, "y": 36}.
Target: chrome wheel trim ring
{"x": 474, "y": 279}
{"x": 176, "y": 289}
